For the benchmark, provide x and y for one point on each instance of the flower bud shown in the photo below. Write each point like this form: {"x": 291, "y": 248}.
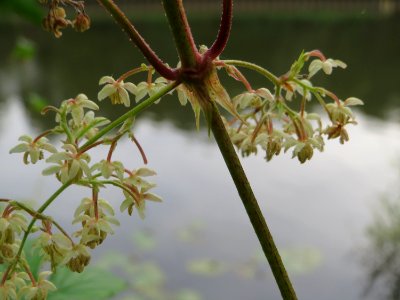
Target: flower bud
{"x": 81, "y": 22}
{"x": 305, "y": 153}
{"x": 101, "y": 236}
{"x": 6, "y": 251}
{"x": 273, "y": 148}
{"x": 78, "y": 263}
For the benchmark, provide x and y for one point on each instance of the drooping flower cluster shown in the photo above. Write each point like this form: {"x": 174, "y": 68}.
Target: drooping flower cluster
{"x": 56, "y": 19}
{"x": 267, "y": 120}
{"x": 79, "y": 130}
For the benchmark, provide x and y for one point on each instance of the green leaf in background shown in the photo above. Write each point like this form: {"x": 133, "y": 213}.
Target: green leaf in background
{"x": 205, "y": 267}
{"x": 93, "y": 284}
{"x": 301, "y": 260}
{"x": 37, "y": 102}
{"x": 24, "y": 49}
{"x": 27, "y": 9}
{"x": 144, "y": 240}
{"x": 192, "y": 233}
{"x": 187, "y": 294}
{"x": 33, "y": 257}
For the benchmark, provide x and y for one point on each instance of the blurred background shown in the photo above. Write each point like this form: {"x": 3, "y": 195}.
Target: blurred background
{"x": 336, "y": 219}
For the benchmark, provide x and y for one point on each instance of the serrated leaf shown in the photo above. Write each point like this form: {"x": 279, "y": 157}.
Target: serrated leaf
{"x": 93, "y": 283}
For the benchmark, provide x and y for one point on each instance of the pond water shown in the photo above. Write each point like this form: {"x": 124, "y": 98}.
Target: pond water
{"x": 321, "y": 213}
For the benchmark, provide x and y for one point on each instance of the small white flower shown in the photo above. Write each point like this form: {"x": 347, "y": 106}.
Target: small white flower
{"x": 116, "y": 90}
{"x": 327, "y": 66}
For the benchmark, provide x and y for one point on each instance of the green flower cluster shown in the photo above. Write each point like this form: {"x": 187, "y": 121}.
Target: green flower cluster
{"x": 274, "y": 122}
{"x": 78, "y": 131}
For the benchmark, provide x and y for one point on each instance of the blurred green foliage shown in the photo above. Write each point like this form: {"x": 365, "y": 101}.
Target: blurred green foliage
{"x": 25, "y": 9}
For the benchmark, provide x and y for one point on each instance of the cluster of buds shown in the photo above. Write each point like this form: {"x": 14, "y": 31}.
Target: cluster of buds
{"x": 22, "y": 285}
{"x": 268, "y": 121}
{"x": 56, "y": 19}
{"x": 12, "y": 224}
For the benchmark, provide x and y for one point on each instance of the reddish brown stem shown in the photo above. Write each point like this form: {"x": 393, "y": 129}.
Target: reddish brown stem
{"x": 3, "y": 280}
{"x": 131, "y": 72}
{"x": 138, "y": 40}
{"x": 95, "y": 198}
{"x": 128, "y": 172}
{"x": 47, "y": 132}
{"x": 224, "y": 31}
{"x": 28, "y": 271}
{"x": 112, "y": 148}
{"x": 140, "y": 149}
{"x": 84, "y": 149}
{"x": 150, "y": 76}
{"x": 240, "y": 77}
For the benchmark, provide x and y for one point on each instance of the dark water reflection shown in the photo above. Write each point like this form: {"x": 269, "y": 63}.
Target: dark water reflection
{"x": 319, "y": 212}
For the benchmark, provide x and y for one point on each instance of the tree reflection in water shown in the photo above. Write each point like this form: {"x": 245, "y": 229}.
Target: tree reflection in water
{"x": 381, "y": 258}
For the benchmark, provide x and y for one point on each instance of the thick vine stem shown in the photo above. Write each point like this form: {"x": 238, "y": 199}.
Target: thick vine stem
{"x": 246, "y": 194}
{"x": 187, "y": 50}
{"x": 138, "y": 40}
{"x": 224, "y": 31}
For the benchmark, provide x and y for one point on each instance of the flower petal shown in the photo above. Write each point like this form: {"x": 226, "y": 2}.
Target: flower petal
{"x": 19, "y": 148}
{"x": 106, "y": 91}
{"x": 106, "y": 79}
{"x": 124, "y": 97}
{"x": 353, "y": 101}
{"x": 129, "y": 86}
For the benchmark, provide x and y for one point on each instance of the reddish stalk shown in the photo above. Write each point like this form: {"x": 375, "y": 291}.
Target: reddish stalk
{"x": 84, "y": 149}
{"x": 138, "y": 40}
{"x": 131, "y": 72}
{"x": 28, "y": 271}
{"x": 224, "y": 31}
{"x": 95, "y": 198}
{"x": 3, "y": 280}
{"x": 140, "y": 149}
{"x": 112, "y": 148}
{"x": 47, "y": 132}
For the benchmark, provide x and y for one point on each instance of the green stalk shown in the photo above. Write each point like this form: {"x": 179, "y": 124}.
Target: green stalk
{"x": 39, "y": 211}
{"x": 244, "y": 64}
{"x": 246, "y": 194}
{"x": 131, "y": 113}
{"x": 185, "y": 44}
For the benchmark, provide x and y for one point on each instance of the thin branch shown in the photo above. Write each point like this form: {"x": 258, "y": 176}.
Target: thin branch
{"x": 131, "y": 113}
{"x": 224, "y": 31}
{"x": 140, "y": 149}
{"x": 138, "y": 40}
{"x": 39, "y": 211}
{"x": 132, "y": 72}
{"x": 244, "y": 64}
